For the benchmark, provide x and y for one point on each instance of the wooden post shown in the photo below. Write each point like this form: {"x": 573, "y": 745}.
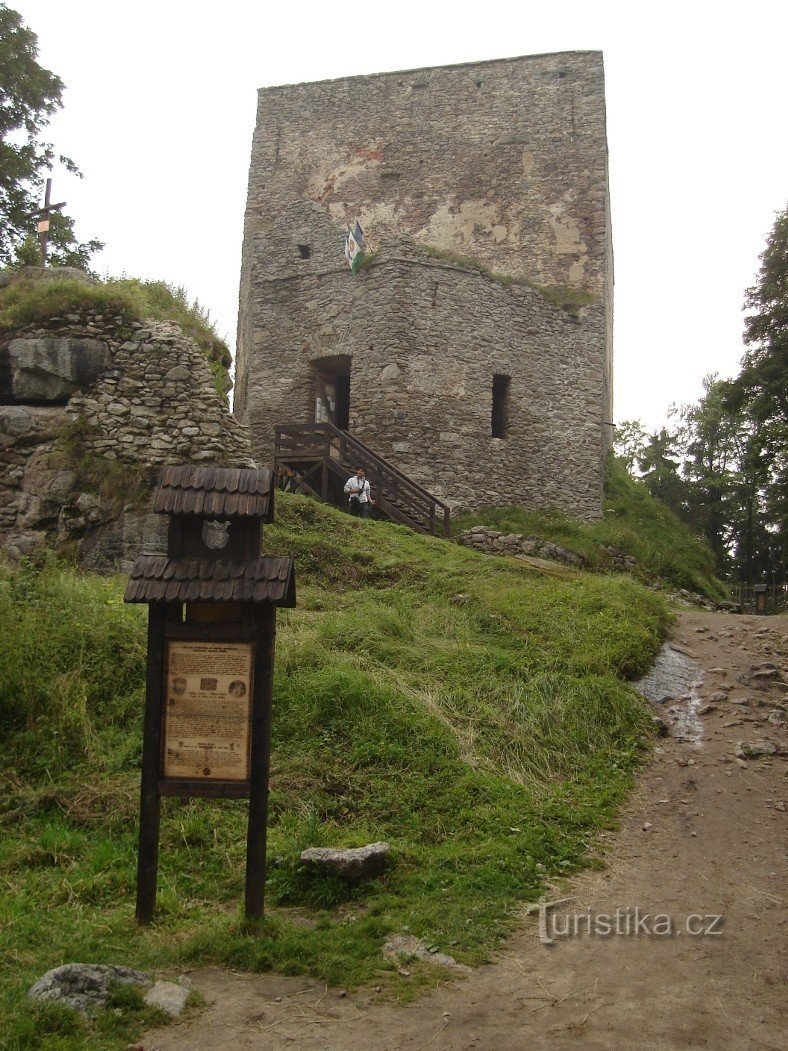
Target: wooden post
{"x": 260, "y": 764}
{"x": 148, "y": 856}
{"x": 43, "y": 217}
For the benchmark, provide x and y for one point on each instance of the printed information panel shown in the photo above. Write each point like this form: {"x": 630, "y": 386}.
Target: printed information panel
{"x": 207, "y": 711}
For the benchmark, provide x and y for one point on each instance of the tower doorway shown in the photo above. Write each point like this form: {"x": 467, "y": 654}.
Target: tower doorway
{"x": 332, "y": 391}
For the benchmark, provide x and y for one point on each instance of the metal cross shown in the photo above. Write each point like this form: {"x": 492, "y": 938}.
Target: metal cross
{"x": 43, "y": 216}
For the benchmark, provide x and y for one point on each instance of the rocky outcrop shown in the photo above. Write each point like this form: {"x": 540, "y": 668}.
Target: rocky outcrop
{"x": 90, "y": 407}
{"x": 50, "y": 369}
{"x": 494, "y": 542}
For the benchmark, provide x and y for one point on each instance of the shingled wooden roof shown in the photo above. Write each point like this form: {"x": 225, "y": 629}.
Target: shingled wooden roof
{"x": 157, "y": 578}
{"x": 216, "y": 492}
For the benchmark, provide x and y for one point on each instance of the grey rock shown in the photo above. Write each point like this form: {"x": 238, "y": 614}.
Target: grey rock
{"x": 660, "y": 726}
{"x": 407, "y": 946}
{"x": 18, "y": 545}
{"x": 50, "y": 369}
{"x": 757, "y": 749}
{"x": 178, "y": 373}
{"x": 84, "y": 986}
{"x": 169, "y": 997}
{"x": 29, "y": 424}
{"x": 351, "y": 865}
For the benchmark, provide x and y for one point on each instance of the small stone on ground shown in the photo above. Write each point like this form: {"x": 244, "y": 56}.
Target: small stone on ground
{"x": 408, "y": 946}
{"x": 168, "y": 997}
{"x": 351, "y": 865}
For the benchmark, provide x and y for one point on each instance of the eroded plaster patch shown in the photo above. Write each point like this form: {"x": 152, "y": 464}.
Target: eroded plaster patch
{"x": 451, "y": 227}
{"x": 566, "y": 232}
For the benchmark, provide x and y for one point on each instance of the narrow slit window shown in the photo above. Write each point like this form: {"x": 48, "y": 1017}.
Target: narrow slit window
{"x": 500, "y": 406}
{"x": 304, "y": 251}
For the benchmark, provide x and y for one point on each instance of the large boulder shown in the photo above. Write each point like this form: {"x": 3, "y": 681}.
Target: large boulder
{"x": 50, "y": 368}
{"x": 26, "y": 425}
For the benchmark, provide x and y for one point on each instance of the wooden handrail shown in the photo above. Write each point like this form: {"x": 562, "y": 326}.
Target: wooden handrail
{"x": 356, "y": 445}
{"x": 398, "y": 495}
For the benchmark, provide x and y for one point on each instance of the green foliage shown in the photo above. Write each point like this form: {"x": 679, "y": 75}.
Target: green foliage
{"x": 31, "y": 95}
{"x": 760, "y": 393}
{"x": 766, "y": 328}
{"x": 666, "y": 550}
{"x": 130, "y": 299}
{"x": 658, "y": 464}
{"x": 732, "y": 484}
{"x": 63, "y": 248}
{"x": 470, "y": 711}
{"x": 367, "y": 260}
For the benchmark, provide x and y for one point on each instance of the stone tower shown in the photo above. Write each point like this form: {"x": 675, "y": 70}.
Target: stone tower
{"x": 474, "y": 350}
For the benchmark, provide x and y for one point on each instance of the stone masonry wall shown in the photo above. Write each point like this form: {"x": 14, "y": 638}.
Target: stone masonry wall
{"x": 425, "y": 339}
{"x": 502, "y": 162}
{"x": 84, "y": 393}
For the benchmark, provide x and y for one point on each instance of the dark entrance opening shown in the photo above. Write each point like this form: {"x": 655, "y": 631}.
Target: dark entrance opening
{"x": 332, "y": 391}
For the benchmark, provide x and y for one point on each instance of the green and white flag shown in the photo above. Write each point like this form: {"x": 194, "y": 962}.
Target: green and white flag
{"x": 354, "y": 250}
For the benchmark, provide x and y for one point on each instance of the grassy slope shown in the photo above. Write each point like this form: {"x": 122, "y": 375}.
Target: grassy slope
{"x": 666, "y": 549}
{"x": 466, "y": 709}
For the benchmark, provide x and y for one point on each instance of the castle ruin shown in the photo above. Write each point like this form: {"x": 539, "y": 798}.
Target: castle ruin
{"x": 474, "y": 348}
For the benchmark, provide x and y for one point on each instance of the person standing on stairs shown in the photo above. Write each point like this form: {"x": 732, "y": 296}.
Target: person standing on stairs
{"x": 359, "y": 493}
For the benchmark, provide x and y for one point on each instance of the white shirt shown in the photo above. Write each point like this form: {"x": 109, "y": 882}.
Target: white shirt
{"x": 355, "y": 486}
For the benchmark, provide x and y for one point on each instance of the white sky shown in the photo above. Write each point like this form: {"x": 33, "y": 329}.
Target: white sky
{"x": 160, "y": 103}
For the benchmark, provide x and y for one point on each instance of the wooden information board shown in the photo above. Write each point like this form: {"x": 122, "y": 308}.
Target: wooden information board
{"x": 207, "y": 711}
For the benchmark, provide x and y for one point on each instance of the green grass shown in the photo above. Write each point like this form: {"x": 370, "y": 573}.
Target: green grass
{"x": 668, "y": 553}
{"x": 469, "y": 710}
{"x": 129, "y": 299}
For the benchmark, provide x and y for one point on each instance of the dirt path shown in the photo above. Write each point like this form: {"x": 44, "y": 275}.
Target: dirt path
{"x": 704, "y": 836}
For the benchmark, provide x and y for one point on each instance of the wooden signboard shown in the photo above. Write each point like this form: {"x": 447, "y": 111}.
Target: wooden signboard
{"x": 207, "y": 711}
{"x": 211, "y": 631}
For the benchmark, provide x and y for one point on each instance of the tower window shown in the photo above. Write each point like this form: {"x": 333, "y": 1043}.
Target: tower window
{"x": 500, "y": 406}
{"x": 304, "y": 251}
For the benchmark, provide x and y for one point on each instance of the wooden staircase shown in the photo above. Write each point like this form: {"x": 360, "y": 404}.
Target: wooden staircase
{"x": 318, "y": 458}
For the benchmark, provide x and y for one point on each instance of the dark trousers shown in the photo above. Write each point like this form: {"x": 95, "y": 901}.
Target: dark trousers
{"x": 358, "y": 509}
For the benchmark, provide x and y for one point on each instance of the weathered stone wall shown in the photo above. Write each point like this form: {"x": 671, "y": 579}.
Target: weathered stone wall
{"x": 503, "y": 162}
{"x": 89, "y": 407}
{"x": 425, "y": 339}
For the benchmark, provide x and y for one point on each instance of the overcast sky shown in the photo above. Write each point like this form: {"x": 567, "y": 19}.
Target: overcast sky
{"x": 160, "y": 103}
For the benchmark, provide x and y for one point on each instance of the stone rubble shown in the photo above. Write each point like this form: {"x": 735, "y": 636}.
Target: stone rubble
{"x": 494, "y": 542}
